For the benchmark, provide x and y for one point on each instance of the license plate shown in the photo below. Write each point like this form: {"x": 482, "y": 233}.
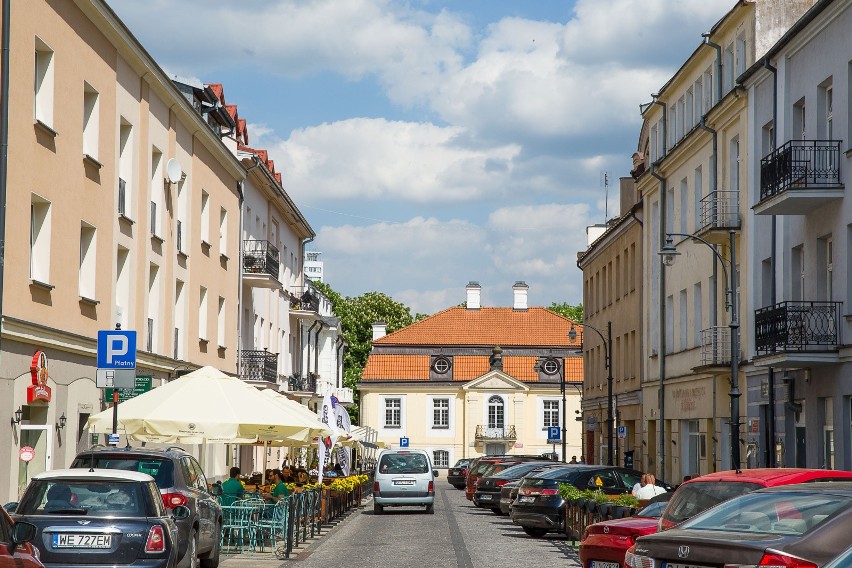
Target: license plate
{"x": 526, "y": 499}
{"x": 403, "y": 482}
{"x": 599, "y": 564}
{"x": 679, "y": 565}
{"x": 65, "y": 540}
{"x": 485, "y": 497}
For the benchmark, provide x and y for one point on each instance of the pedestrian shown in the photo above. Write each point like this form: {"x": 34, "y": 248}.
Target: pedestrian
{"x": 650, "y": 489}
{"x": 232, "y": 489}
{"x": 573, "y": 459}
{"x": 582, "y": 460}
{"x": 641, "y": 483}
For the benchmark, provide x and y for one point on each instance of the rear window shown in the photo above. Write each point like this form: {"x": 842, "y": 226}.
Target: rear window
{"x": 404, "y": 463}
{"x": 161, "y": 469}
{"x": 517, "y": 471}
{"x": 462, "y": 463}
{"x": 556, "y": 473}
{"x": 89, "y": 498}
{"x": 481, "y": 467}
{"x": 693, "y": 498}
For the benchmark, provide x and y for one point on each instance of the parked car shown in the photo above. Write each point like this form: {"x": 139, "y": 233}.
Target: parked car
{"x": 540, "y": 509}
{"x": 10, "y": 507}
{"x": 508, "y": 494}
{"x": 456, "y": 475}
{"x": 699, "y": 494}
{"x": 477, "y": 469}
{"x": 843, "y": 560}
{"x": 404, "y": 478}
{"x": 100, "y": 516}
{"x": 487, "y": 493}
{"x": 604, "y": 544}
{"x": 16, "y": 549}
{"x": 181, "y": 482}
{"x": 801, "y": 526}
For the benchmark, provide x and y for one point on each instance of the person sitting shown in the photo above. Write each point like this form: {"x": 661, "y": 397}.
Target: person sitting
{"x": 287, "y": 474}
{"x": 232, "y": 489}
{"x": 279, "y": 490}
{"x": 58, "y": 497}
{"x": 650, "y": 489}
{"x": 338, "y": 469}
{"x": 642, "y": 482}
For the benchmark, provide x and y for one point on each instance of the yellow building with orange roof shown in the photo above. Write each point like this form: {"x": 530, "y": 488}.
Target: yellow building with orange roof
{"x": 472, "y": 381}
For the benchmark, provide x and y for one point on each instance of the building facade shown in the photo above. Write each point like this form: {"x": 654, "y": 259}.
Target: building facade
{"x": 470, "y": 381}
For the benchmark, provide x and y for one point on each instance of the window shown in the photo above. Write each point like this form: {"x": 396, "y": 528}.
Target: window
{"x": 734, "y": 164}
{"x": 44, "y": 84}
{"x": 698, "y": 193}
{"x": 154, "y": 308}
{"x": 653, "y": 143}
{"x": 440, "y": 458}
{"x": 393, "y": 413}
{"x": 40, "y": 225}
{"x": 180, "y": 320}
{"x": 125, "y": 169}
{"x": 828, "y": 433}
{"x": 88, "y": 256}
{"x": 672, "y": 126}
{"x": 91, "y": 121}
{"x": 684, "y": 205}
{"x": 799, "y": 120}
{"x": 223, "y": 232}
{"x": 441, "y": 365}
{"x": 798, "y": 273}
{"x": 829, "y": 113}
{"x": 708, "y": 89}
{"x": 440, "y": 413}
{"x": 202, "y": 314}
{"x": 689, "y": 118}
{"x": 205, "y": 217}
{"x": 122, "y": 287}
{"x": 684, "y": 319}
{"x": 551, "y": 413}
{"x": 220, "y": 331}
{"x": 728, "y": 69}
{"x": 681, "y": 127}
{"x": 670, "y": 209}
{"x": 157, "y": 191}
{"x": 741, "y": 55}
{"x": 496, "y": 413}
{"x": 698, "y": 91}
{"x": 181, "y": 231}
{"x": 698, "y": 320}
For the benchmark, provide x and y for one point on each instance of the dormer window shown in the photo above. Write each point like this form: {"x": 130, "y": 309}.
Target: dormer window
{"x": 441, "y": 367}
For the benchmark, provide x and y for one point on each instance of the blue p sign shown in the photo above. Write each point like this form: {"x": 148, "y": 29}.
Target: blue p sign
{"x": 553, "y": 433}
{"x": 403, "y": 442}
{"x": 116, "y": 349}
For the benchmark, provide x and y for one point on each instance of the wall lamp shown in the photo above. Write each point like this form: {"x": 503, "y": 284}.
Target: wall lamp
{"x": 62, "y": 422}
{"x": 19, "y": 414}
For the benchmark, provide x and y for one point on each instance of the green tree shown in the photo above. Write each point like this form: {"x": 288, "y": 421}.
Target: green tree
{"x": 573, "y": 313}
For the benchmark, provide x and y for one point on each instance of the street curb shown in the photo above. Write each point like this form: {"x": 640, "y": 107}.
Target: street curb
{"x": 314, "y": 543}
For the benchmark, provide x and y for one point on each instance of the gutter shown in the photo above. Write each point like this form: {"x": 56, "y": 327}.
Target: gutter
{"x": 770, "y": 451}
{"x": 4, "y": 141}
{"x": 661, "y": 434}
{"x": 242, "y": 198}
{"x": 718, "y": 49}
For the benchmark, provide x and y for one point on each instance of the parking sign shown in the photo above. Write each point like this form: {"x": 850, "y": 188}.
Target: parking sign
{"x": 116, "y": 349}
{"x": 553, "y": 433}
{"x": 622, "y": 432}
{"x": 403, "y": 442}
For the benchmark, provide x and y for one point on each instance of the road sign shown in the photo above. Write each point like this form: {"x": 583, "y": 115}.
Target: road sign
{"x": 116, "y": 349}
{"x": 142, "y": 385}
{"x": 553, "y": 440}
{"x": 115, "y": 378}
{"x": 403, "y": 442}
{"x": 622, "y": 432}
{"x": 553, "y": 433}
{"x": 26, "y": 454}
{"x": 112, "y": 439}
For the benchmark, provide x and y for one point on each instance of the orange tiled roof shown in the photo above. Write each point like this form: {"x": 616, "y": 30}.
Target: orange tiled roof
{"x": 465, "y": 367}
{"x": 218, "y": 91}
{"x": 468, "y": 367}
{"x": 487, "y": 326}
{"x": 522, "y": 368}
{"x": 396, "y": 367}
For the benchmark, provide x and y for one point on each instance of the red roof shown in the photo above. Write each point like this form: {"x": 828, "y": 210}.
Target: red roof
{"x": 218, "y": 91}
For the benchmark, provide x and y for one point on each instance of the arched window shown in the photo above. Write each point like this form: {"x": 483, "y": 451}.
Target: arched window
{"x": 496, "y": 414}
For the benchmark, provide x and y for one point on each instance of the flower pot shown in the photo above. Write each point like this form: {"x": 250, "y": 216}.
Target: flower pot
{"x": 581, "y": 502}
{"x": 619, "y": 511}
{"x": 603, "y": 509}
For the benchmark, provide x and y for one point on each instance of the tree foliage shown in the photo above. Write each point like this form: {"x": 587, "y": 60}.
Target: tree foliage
{"x": 573, "y": 313}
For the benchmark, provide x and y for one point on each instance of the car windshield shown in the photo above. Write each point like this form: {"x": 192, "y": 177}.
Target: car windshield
{"x": 693, "y": 498}
{"x": 556, "y": 473}
{"x": 518, "y": 471}
{"x": 777, "y": 513}
{"x": 161, "y": 469}
{"x": 653, "y": 510}
{"x": 481, "y": 467}
{"x": 403, "y": 463}
{"x": 93, "y": 498}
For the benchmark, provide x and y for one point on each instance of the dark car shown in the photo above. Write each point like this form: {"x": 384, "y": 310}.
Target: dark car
{"x": 93, "y": 517}
{"x": 480, "y": 465}
{"x": 803, "y": 525}
{"x": 508, "y": 494}
{"x": 540, "y": 509}
{"x": 456, "y": 475}
{"x": 16, "y": 550}
{"x": 181, "y": 481}
{"x": 487, "y": 493}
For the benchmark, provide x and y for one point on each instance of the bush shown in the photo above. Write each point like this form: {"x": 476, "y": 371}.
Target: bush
{"x": 569, "y": 492}
{"x": 626, "y": 501}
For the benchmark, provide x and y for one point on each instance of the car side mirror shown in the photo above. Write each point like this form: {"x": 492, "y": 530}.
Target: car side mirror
{"x": 435, "y": 472}
{"x": 216, "y": 490}
{"x": 181, "y": 512}
{"x": 23, "y": 532}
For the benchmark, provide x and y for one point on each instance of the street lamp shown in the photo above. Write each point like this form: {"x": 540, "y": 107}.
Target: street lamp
{"x": 668, "y": 255}
{"x": 607, "y": 344}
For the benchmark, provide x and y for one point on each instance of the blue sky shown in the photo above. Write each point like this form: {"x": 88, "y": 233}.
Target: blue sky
{"x": 434, "y": 142}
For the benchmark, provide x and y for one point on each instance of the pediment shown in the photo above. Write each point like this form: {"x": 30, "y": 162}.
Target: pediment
{"x": 495, "y": 380}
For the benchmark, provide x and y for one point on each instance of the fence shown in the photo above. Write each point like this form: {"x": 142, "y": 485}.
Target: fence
{"x": 580, "y": 513}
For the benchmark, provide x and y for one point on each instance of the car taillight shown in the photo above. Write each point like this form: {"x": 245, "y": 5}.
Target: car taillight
{"x": 431, "y": 487}
{"x": 501, "y": 482}
{"x": 778, "y": 560}
{"x": 375, "y": 487}
{"x": 549, "y": 491}
{"x": 172, "y": 500}
{"x": 156, "y": 540}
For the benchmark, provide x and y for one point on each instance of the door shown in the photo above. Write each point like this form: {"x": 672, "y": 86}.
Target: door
{"x": 495, "y": 449}
{"x": 40, "y": 439}
{"x": 496, "y": 417}
{"x": 801, "y": 437}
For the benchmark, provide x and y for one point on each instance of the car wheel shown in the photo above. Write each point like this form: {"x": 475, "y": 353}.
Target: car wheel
{"x": 212, "y": 560}
{"x": 377, "y": 509}
{"x": 535, "y": 532}
{"x": 190, "y": 559}
{"x": 459, "y": 486}
{"x": 498, "y": 512}
{"x": 430, "y": 509}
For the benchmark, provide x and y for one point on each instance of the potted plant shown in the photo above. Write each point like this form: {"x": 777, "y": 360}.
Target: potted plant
{"x": 624, "y": 504}
{"x": 568, "y": 492}
{"x": 602, "y": 503}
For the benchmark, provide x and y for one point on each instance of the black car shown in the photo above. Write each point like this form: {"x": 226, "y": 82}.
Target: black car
{"x": 487, "y": 493}
{"x": 539, "y": 508}
{"x": 803, "y": 525}
{"x": 100, "y": 517}
{"x": 181, "y": 481}
{"x": 456, "y": 475}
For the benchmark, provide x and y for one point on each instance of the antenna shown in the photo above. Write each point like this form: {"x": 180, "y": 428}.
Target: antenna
{"x": 605, "y": 182}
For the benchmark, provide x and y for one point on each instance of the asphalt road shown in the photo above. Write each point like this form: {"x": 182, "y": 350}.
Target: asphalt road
{"x": 458, "y": 534}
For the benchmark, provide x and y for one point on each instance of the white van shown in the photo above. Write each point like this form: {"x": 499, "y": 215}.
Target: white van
{"x": 404, "y": 478}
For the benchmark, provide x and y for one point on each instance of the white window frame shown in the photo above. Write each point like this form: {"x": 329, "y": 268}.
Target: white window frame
{"x": 180, "y": 318}
{"x": 40, "y": 235}
{"x": 202, "y": 313}
{"x": 158, "y": 190}
{"x": 91, "y": 122}
{"x": 443, "y": 424}
{"x": 441, "y": 464}
{"x": 126, "y": 157}
{"x": 155, "y": 305}
{"x": 545, "y": 412}
{"x": 88, "y": 261}
{"x": 223, "y": 232}
{"x": 205, "y": 217}
{"x": 392, "y": 404}
{"x": 43, "y": 99}
{"x": 220, "y": 324}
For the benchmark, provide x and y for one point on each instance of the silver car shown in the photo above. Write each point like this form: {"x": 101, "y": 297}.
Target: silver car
{"x": 404, "y": 478}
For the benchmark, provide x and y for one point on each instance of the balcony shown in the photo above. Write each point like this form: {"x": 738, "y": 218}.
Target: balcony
{"x": 484, "y": 433}
{"x": 720, "y": 214}
{"x": 260, "y": 264}
{"x": 305, "y": 300}
{"x": 258, "y": 366}
{"x": 797, "y": 334}
{"x": 302, "y": 384}
{"x": 716, "y": 347}
{"x": 799, "y": 177}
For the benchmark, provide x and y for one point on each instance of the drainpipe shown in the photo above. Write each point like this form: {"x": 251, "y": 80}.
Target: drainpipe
{"x": 241, "y": 265}
{"x": 770, "y": 451}
{"x": 718, "y": 49}
{"x": 308, "y": 367}
{"x": 4, "y": 140}
{"x": 316, "y": 348}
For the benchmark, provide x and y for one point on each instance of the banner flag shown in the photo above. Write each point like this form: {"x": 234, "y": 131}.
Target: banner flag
{"x": 344, "y": 454}
{"x": 325, "y": 443}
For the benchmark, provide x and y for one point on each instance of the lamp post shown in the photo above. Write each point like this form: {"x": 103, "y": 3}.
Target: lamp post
{"x": 607, "y": 343}
{"x": 669, "y": 254}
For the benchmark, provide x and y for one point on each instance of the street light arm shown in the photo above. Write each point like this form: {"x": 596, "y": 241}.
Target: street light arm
{"x": 710, "y": 246}
{"x": 601, "y": 335}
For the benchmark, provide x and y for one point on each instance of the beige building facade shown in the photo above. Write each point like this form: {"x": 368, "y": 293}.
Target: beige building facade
{"x": 123, "y": 208}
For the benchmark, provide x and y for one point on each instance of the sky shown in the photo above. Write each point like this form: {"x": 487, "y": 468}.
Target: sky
{"x": 434, "y": 142}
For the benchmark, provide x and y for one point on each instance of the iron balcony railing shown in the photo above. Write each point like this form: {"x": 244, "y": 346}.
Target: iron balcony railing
{"x": 260, "y": 257}
{"x": 720, "y": 210}
{"x": 801, "y": 164}
{"x": 484, "y": 432}
{"x": 304, "y": 299}
{"x": 716, "y": 346}
{"x": 302, "y": 384}
{"x": 797, "y": 326}
{"x": 258, "y": 365}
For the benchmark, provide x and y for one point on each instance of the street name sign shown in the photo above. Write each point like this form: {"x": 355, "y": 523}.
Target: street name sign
{"x": 142, "y": 385}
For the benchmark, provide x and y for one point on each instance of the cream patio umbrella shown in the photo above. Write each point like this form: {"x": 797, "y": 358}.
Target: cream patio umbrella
{"x": 308, "y": 414}
{"x": 206, "y": 406}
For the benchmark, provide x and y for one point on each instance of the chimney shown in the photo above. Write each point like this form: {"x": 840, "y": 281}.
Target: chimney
{"x": 474, "y": 294}
{"x": 379, "y": 330}
{"x": 520, "y": 289}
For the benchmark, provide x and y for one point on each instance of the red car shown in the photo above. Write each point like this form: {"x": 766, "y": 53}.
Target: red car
{"x": 15, "y": 548}
{"x": 478, "y": 467}
{"x": 604, "y": 544}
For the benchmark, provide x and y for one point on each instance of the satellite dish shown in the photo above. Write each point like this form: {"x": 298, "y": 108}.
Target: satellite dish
{"x": 174, "y": 171}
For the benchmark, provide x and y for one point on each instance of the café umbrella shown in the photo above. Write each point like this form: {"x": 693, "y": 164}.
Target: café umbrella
{"x": 203, "y": 406}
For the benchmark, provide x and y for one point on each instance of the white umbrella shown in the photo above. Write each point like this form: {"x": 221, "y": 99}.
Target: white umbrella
{"x": 204, "y": 406}
{"x": 302, "y": 410}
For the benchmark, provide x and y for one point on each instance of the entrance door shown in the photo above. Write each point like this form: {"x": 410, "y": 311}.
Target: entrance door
{"x": 40, "y": 439}
{"x": 496, "y": 417}
{"x": 801, "y": 437}
{"x": 495, "y": 449}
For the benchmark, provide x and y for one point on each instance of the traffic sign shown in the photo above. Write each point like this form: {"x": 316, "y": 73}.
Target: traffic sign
{"x": 403, "y": 442}
{"x": 112, "y": 439}
{"x": 622, "y": 432}
{"x": 26, "y": 454}
{"x": 116, "y": 349}
{"x": 141, "y": 386}
{"x": 553, "y": 440}
{"x": 553, "y": 433}
{"x": 115, "y": 378}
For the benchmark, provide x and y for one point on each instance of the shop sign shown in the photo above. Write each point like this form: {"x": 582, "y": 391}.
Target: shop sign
{"x": 755, "y": 425}
{"x": 143, "y": 385}
{"x": 38, "y": 391}
{"x": 26, "y": 454}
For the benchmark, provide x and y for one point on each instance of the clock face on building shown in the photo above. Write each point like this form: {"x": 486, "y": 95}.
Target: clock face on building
{"x": 550, "y": 366}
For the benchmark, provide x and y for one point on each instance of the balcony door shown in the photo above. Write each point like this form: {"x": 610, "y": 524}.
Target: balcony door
{"x": 496, "y": 416}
